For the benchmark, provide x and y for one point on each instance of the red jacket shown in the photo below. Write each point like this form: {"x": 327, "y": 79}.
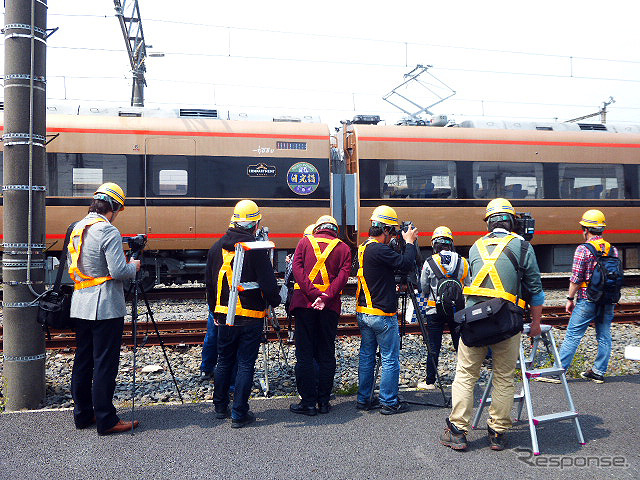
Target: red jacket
{"x": 338, "y": 265}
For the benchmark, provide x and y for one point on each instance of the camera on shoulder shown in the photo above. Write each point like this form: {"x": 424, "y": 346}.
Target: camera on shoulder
{"x": 525, "y": 225}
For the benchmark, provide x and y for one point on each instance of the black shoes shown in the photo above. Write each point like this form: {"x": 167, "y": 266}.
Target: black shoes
{"x": 241, "y": 422}
{"x": 594, "y": 377}
{"x": 399, "y": 407}
{"x": 453, "y": 437}
{"x": 205, "y": 377}
{"x": 375, "y": 403}
{"x": 324, "y": 407}
{"x": 497, "y": 441}
{"x": 304, "y": 409}
{"x": 223, "y": 413}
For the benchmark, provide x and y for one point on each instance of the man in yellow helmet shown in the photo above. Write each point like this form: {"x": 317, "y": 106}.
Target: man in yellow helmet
{"x": 321, "y": 267}
{"x": 443, "y": 275}
{"x": 239, "y": 343}
{"x": 494, "y": 262}
{"x": 377, "y": 307}
{"x": 582, "y": 310}
{"x": 99, "y": 268}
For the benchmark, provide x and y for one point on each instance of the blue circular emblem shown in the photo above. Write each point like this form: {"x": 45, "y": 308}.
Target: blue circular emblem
{"x": 303, "y": 178}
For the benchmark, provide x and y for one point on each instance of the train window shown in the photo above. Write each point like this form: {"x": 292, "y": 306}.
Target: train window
{"x": 586, "y": 180}
{"x": 80, "y": 174}
{"x": 172, "y": 182}
{"x": 86, "y": 181}
{"x": 507, "y": 180}
{"x": 416, "y": 179}
{"x": 170, "y": 175}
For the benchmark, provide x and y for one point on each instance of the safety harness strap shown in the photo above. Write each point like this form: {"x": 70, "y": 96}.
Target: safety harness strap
{"x": 80, "y": 279}
{"x": 489, "y": 269}
{"x": 321, "y": 258}
{"x": 435, "y": 264}
{"x": 362, "y": 285}
{"x": 226, "y": 272}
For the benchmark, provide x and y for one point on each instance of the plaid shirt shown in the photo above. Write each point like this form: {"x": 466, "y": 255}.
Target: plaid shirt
{"x": 583, "y": 264}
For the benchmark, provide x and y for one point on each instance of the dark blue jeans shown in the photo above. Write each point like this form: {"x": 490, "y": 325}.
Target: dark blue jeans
{"x": 210, "y": 346}
{"x": 237, "y": 344}
{"x": 435, "y": 327}
{"x": 95, "y": 367}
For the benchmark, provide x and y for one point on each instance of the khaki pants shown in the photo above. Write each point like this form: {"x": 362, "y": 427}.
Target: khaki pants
{"x": 505, "y": 355}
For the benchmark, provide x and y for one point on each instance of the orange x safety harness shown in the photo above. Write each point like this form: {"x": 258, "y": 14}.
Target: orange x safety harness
{"x": 362, "y": 286}
{"x": 321, "y": 258}
{"x": 227, "y": 272}
{"x": 80, "y": 279}
{"x": 489, "y": 269}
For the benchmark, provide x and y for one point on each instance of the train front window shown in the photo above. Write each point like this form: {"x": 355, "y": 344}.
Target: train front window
{"x": 407, "y": 179}
{"x": 507, "y": 180}
{"x": 586, "y": 180}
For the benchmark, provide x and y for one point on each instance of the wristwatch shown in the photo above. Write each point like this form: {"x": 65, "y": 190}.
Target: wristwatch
{"x": 570, "y": 298}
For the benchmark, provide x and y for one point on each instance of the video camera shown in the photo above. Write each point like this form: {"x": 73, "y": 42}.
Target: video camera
{"x": 397, "y": 243}
{"x": 525, "y": 225}
{"x": 136, "y": 243}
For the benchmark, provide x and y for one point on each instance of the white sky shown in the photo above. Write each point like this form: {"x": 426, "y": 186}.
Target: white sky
{"x": 332, "y": 59}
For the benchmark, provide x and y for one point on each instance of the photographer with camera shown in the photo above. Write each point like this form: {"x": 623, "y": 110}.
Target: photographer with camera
{"x": 377, "y": 306}
{"x": 239, "y": 343}
{"x": 98, "y": 267}
{"x": 442, "y": 280}
{"x": 321, "y": 267}
{"x": 504, "y": 269}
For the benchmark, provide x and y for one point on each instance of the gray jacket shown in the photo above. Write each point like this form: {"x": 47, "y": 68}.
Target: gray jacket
{"x": 429, "y": 281}
{"x": 102, "y": 255}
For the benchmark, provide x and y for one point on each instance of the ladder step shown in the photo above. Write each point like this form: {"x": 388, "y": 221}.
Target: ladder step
{"x": 553, "y": 417}
{"x": 543, "y": 372}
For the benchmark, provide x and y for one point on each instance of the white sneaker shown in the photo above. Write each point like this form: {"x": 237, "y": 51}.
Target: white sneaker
{"x": 425, "y": 386}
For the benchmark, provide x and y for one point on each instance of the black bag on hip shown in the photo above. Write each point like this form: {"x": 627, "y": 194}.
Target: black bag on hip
{"x": 489, "y": 322}
{"x": 54, "y": 306}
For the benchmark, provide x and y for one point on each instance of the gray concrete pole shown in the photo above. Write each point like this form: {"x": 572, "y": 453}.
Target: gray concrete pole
{"x": 24, "y": 201}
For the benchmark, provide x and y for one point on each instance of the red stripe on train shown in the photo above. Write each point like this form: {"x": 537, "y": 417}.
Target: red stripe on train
{"x": 498, "y": 142}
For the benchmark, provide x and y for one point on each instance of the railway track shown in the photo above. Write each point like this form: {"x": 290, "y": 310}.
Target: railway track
{"x": 191, "y": 332}
{"x": 195, "y": 293}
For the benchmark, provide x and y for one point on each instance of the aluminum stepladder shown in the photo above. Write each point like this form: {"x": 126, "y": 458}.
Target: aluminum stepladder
{"x": 526, "y": 364}
{"x": 237, "y": 286}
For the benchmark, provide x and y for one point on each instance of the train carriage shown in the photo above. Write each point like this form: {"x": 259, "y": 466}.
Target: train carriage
{"x": 182, "y": 177}
{"x": 445, "y": 176}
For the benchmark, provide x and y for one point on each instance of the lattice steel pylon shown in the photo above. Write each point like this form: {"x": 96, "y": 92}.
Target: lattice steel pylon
{"x": 128, "y": 13}
{"x": 433, "y": 88}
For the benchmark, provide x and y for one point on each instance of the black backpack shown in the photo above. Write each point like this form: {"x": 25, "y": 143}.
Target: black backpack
{"x": 606, "y": 279}
{"x": 448, "y": 292}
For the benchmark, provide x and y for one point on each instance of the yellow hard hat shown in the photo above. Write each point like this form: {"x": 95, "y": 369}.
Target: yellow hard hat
{"x": 309, "y": 229}
{"x": 593, "y": 219}
{"x": 246, "y": 211}
{"x": 323, "y": 220}
{"x": 384, "y": 214}
{"x": 499, "y": 205}
{"x": 442, "y": 232}
{"x": 111, "y": 192}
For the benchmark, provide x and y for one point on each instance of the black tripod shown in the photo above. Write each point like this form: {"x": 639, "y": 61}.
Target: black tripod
{"x": 407, "y": 288}
{"x": 137, "y": 288}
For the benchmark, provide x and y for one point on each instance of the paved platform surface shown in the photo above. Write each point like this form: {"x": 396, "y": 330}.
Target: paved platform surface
{"x": 187, "y": 442}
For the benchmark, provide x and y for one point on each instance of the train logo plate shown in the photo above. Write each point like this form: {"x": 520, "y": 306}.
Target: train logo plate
{"x": 261, "y": 170}
{"x": 303, "y": 178}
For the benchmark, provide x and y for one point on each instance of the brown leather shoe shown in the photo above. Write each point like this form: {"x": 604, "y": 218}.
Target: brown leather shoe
{"x": 121, "y": 426}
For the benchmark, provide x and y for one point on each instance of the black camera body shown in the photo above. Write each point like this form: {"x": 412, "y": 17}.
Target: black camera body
{"x": 262, "y": 234}
{"x": 136, "y": 243}
{"x": 525, "y": 225}
{"x": 397, "y": 243}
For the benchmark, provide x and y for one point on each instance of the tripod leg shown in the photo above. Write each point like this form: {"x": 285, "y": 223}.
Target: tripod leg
{"x": 155, "y": 326}
{"x": 134, "y": 329}
{"x": 376, "y": 371}
{"x": 425, "y": 338}
{"x": 264, "y": 383}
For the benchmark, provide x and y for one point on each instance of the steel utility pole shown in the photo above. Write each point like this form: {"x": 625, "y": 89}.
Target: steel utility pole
{"x": 23, "y": 199}
{"x": 128, "y": 13}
